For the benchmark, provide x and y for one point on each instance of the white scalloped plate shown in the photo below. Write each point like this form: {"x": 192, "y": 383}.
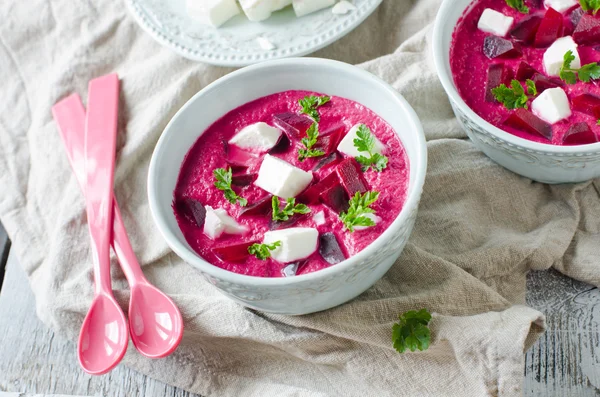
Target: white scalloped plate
{"x": 235, "y": 43}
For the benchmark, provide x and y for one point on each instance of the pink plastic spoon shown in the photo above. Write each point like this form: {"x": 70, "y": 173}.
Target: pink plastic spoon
{"x": 155, "y": 321}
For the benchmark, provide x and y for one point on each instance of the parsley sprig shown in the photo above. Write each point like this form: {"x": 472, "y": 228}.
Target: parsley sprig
{"x": 263, "y": 251}
{"x": 359, "y": 207}
{"x": 590, "y": 5}
{"x": 312, "y": 135}
{"x": 223, "y": 182}
{"x": 584, "y": 73}
{"x": 289, "y": 210}
{"x": 411, "y": 332}
{"x": 311, "y": 103}
{"x": 519, "y": 5}
{"x": 365, "y": 142}
{"x": 515, "y": 96}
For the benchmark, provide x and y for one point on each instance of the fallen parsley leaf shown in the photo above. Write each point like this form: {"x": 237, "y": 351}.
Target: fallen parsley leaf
{"x": 359, "y": 207}
{"x": 311, "y": 103}
{"x": 312, "y": 135}
{"x": 365, "y": 142}
{"x": 511, "y": 98}
{"x": 585, "y": 73}
{"x": 411, "y": 332}
{"x": 263, "y": 251}
{"x": 223, "y": 183}
{"x": 289, "y": 210}
{"x": 519, "y": 5}
{"x": 590, "y": 5}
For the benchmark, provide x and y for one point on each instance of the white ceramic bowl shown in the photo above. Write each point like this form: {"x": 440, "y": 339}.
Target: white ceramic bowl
{"x": 315, "y": 291}
{"x": 538, "y": 161}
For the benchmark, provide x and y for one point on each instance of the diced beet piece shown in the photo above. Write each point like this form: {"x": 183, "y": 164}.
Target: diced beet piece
{"x": 336, "y": 198}
{"x": 192, "y": 209}
{"x": 588, "y": 30}
{"x": 276, "y": 225}
{"x": 291, "y": 269}
{"x": 498, "y": 73}
{"x": 234, "y": 252}
{"x": 328, "y": 161}
{"x": 542, "y": 82}
{"x": 330, "y": 249}
{"x": 525, "y": 71}
{"x": 312, "y": 193}
{"x": 524, "y": 120}
{"x": 497, "y": 47}
{"x": 550, "y": 28}
{"x": 525, "y": 30}
{"x": 292, "y": 124}
{"x": 587, "y": 103}
{"x": 535, "y": 3}
{"x": 261, "y": 207}
{"x": 580, "y": 134}
{"x": 576, "y": 16}
{"x": 239, "y": 157}
{"x": 243, "y": 179}
{"x": 350, "y": 174}
{"x": 282, "y": 144}
{"x": 329, "y": 139}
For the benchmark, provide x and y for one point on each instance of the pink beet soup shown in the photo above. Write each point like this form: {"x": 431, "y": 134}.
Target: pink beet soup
{"x": 195, "y": 186}
{"x": 476, "y": 73}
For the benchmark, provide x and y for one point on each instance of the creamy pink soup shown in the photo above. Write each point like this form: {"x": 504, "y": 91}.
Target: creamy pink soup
{"x": 470, "y": 66}
{"x": 211, "y": 151}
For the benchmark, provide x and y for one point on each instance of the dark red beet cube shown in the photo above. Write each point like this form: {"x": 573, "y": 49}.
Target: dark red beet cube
{"x": 580, "y": 134}
{"x": 234, "y": 252}
{"x": 330, "y": 139}
{"x": 525, "y": 30}
{"x": 261, "y": 207}
{"x": 542, "y": 82}
{"x": 291, "y": 269}
{"x": 350, "y": 174}
{"x": 276, "y": 225}
{"x": 550, "y": 28}
{"x": 293, "y": 125}
{"x": 588, "y": 30}
{"x": 191, "y": 209}
{"x": 243, "y": 179}
{"x": 328, "y": 161}
{"x": 497, "y": 47}
{"x": 312, "y": 194}
{"x": 587, "y": 103}
{"x": 335, "y": 198}
{"x": 524, "y": 120}
{"x": 330, "y": 249}
{"x": 525, "y": 71}
{"x": 498, "y": 73}
{"x": 238, "y": 157}
{"x": 282, "y": 144}
{"x": 576, "y": 16}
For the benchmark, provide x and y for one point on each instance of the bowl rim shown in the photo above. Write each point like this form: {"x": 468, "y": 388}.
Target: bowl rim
{"x": 448, "y": 83}
{"x": 410, "y": 204}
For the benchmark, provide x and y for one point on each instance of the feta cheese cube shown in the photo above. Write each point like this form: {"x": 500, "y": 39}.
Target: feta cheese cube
{"x": 218, "y": 222}
{"x": 343, "y": 7}
{"x": 296, "y": 243}
{"x": 212, "y": 12}
{"x": 303, "y": 7}
{"x": 560, "y": 5}
{"x": 347, "y": 147}
{"x": 555, "y": 54}
{"x": 319, "y": 218}
{"x": 257, "y": 10}
{"x": 279, "y": 4}
{"x": 494, "y": 22}
{"x": 372, "y": 217}
{"x": 258, "y": 137}
{"x": 282, "y": 179}
{"x": 265, "y": 43}
{"x": 552, "y": 105}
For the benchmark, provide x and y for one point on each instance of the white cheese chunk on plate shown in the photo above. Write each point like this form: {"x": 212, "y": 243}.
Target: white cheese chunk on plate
{"x": 561, "y": 5}
{"x": 494, "y": 22}
{"x": 279, "y": 4}
{"x": 257, "y": 10}
{"x": 296, "y": 243}
{"x": 552, "y": 105}
{"x": 343, "y": 7}
{"x": 218, "y": 222}
{"x": 372, "y": 217}
{"x": 304, "y": 7}
{"x": 212, "y": 12}
{"x": 282, "y": 179}
{"x": 347, "y": 147}
{"x": 258, "y": 137}
{"x": 555, "y": 55}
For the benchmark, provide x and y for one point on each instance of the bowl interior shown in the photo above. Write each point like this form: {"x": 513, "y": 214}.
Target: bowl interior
{"x": 242, "y": 86}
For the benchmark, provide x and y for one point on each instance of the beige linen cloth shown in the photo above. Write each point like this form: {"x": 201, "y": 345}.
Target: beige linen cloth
{"x": 480, "y": 228}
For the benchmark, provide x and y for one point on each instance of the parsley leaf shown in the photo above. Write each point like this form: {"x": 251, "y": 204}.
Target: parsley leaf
{"x": 365, "y": 142}
{"x": 310, "y": 104}
{"x": 590, "y": 5}
{"x": 289, "y": 210}
{"x": 520, "y": 6}
{"x": 512, "y": 98}
{"x": 312, "y": 134}
{"x": 598, "y": 122}
{"x": 263, "y": 251}
{"x": 359, "y": 207}
{"x": 585, "y": 73}
{"x": 411, "y": 332}
{"x": 223, "y": 182}
{"x": 531, "y": 88}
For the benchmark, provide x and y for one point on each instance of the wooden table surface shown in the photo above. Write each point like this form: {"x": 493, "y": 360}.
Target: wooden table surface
{"x": 565, "y": 362}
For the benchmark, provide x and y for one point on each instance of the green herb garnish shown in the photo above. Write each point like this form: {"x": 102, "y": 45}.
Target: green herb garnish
{"x": 311, "y": 103}
{"x": 590, "y": 5}
{"x": 365, "y": 142}
{"x": 359, "y": 207}
{"x": 411, "y": 332}
{"x": 515, "y": 96}
{"x": 223, "y": 182}
{"x": 518, "y": 5}
{"x": 584, "y": 73}
{"x": 312, "y": 134}
{"x": 263, "y": 251}
{"x": 289, "y": 210}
